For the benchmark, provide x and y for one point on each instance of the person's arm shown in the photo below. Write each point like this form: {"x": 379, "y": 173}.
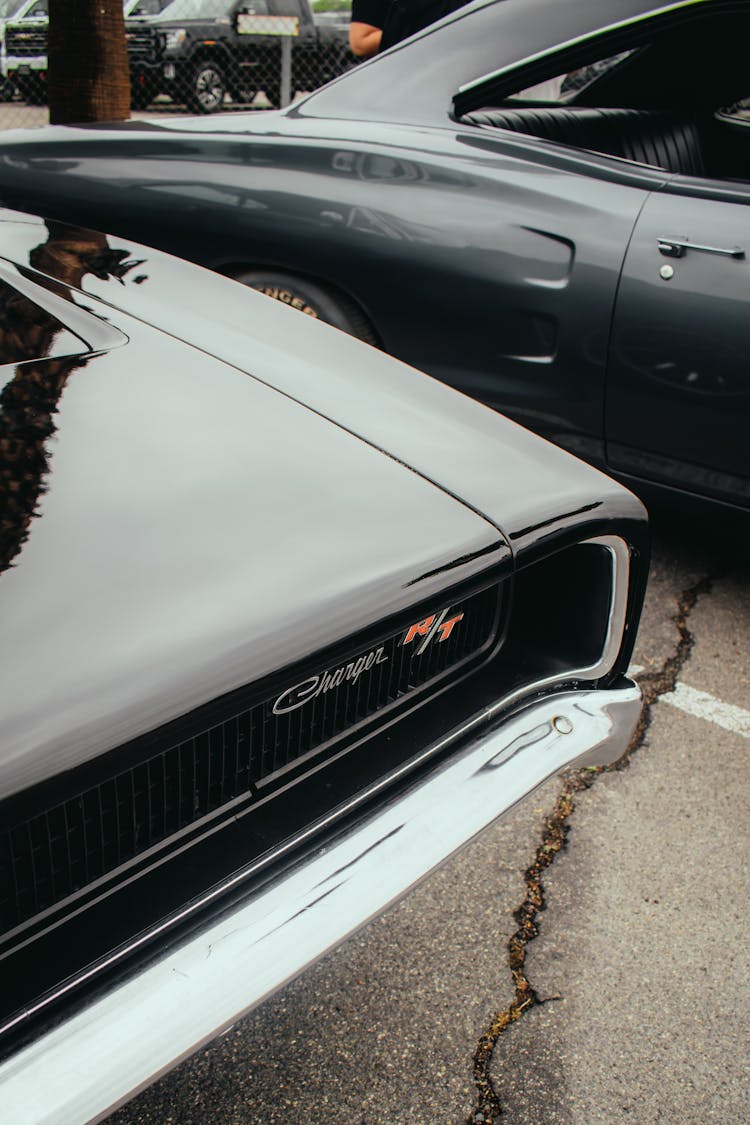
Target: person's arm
{"x": 366, "y": 27}
{"x": 364, "y": 39}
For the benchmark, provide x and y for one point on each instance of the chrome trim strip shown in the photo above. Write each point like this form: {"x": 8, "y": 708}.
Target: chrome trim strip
{"x": 578, "y": 39}
{"x": 103, "y": 1054}
{"x": 620, "y": 555}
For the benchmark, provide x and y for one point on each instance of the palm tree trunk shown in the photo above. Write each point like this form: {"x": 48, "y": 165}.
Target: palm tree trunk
{"x": 88, "y": 76}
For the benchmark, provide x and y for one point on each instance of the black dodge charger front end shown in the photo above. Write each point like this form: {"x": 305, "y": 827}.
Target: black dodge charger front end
{"x": 285, "y": 623}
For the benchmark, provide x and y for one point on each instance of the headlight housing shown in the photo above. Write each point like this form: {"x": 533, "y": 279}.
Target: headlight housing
{"x": 174, "y": 38}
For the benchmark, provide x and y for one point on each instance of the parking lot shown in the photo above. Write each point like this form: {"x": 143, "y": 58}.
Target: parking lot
{"x": 632, "y": 1001}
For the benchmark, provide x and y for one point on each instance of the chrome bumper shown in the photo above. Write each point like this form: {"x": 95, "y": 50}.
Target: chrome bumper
{"x": 102, "y": 1055}
{"x": 14, "y": 63}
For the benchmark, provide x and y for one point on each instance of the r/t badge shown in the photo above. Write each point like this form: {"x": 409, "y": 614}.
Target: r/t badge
{"x": 436, "y": 625}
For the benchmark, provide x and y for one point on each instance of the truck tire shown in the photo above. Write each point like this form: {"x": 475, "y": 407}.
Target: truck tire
{"x": 313, "y": 299}
{"x": 207, "y": 88}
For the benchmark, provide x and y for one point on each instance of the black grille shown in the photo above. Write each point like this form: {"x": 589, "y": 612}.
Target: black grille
{"x": 143, "y": 45}
{"x": 25, "y": 44}
{"x": 51, "y": 855}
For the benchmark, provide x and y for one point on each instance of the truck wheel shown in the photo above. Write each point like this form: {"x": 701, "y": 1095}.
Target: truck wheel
{"x": 207, "y": 88}
{"x": 313, "y": 299}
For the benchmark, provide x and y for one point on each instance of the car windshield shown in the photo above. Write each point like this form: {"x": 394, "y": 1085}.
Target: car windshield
{"x": 143, "y": 7}
{"x": 8, "y": 8}
{"x": 197, "y": 9}
{"x": 36, "y": 11}
{"x": 564, "y": 86}
{"x": 578, "y": 80}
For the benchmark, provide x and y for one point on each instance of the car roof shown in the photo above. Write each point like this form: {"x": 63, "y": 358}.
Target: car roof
{"x": 416, "y": 80}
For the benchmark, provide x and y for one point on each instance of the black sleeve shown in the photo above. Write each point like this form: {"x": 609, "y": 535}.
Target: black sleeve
{"x": 405, "y": 17}
{"x": 369, "y": 11}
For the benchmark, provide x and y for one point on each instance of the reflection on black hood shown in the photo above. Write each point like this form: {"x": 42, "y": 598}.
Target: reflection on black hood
{"x": 30, "y": 336}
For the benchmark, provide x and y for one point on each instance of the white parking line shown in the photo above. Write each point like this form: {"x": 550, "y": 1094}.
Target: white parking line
{"x": 706, "y": 706}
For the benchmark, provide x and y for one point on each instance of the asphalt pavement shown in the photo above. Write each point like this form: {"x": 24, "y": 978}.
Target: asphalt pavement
{"x": 642, "y": 967}
{"x": 584, "y": 961}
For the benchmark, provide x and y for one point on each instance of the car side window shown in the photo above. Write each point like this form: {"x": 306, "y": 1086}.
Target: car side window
{"x": 640, "y": 104}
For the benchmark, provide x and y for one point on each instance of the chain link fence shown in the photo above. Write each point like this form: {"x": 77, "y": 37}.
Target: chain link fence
{"x": 196, "y": 56}
{"x": 210, "y": 56}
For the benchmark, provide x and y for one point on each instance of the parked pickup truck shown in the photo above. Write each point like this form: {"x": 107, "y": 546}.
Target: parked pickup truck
{"x": 25, "y": 52}
{"x": 10, "y": 10}
{"x": 198, "y": 51}
{"x": 24, "y": 63}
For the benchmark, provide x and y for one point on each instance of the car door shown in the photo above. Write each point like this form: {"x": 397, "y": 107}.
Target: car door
{"x": 678, "y": 382}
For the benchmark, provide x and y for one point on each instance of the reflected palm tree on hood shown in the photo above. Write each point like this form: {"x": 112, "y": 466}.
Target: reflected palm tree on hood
{"x": 30, "y": 399}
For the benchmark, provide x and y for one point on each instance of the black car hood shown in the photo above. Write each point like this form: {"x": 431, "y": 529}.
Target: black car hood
{"x": 202, "y": 513}
{"x": 173, "y": 528}
{"x": 515, "y": 479}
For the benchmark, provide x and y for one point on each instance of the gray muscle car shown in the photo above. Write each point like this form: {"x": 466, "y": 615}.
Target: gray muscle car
{"x": 284, "y": 623}
{"x": 542, "y": 202}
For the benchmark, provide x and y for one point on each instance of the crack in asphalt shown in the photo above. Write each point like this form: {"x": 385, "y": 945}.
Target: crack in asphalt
{"x": 487, "y": 1108}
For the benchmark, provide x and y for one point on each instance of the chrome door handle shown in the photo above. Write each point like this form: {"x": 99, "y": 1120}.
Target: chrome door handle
{"x": 676, "y": 247}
